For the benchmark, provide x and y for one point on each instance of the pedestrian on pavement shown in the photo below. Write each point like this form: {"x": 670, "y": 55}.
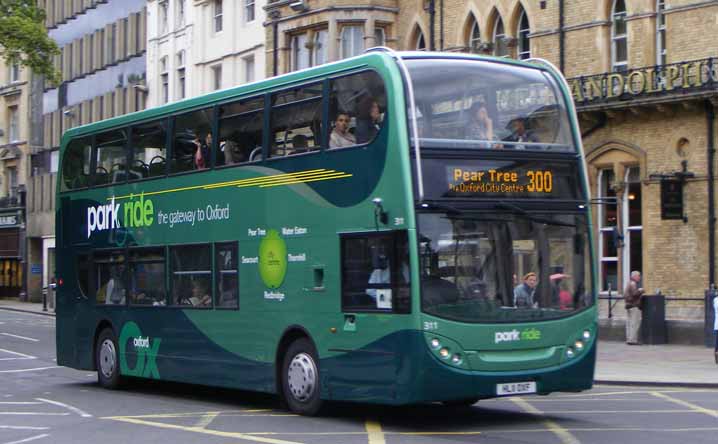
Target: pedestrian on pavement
{"x": 715, "y": 324}
{"x": 633, "y": 297}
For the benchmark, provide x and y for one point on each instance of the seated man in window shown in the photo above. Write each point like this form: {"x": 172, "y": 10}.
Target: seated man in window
{"x": 520, "y": 133}
{"x": 341, "y": 137}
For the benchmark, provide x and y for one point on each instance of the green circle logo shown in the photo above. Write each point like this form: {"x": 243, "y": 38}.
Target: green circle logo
{"x": 272, "y": 259}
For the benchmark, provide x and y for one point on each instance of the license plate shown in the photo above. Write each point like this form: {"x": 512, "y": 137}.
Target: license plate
{"x": 515, "y": 388}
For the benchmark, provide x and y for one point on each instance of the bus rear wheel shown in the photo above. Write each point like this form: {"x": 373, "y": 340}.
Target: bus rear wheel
{"x": 300, "y": 378}
{"x": 107, "y": 360}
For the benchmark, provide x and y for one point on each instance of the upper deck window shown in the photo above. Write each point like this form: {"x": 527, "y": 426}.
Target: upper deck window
{"x": 476, "y": 104}
{"x": 76, "y": 164}
{"x": 192, "y": 141}
{"x": 111, "y": 157}
{"x": 357, "y": 103}
{"x": 240, "y": 131}
{"x": 296, "y": 120}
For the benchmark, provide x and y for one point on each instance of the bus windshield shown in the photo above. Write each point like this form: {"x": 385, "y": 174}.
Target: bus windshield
{"x": 504, "y": 267}
{"x": 478, "y": 104}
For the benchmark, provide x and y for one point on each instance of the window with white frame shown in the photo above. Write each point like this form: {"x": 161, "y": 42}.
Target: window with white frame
{"x": 248, "y": 69}
{"x": 523, "y": 36}
{"x": 180, "y": 13}
{"x": 607, "y": 229}
{"x": 300, "y": 52}
{"x": 216, "y": 77}
{"x": 632, "y": 217}
{"x": 181, "y": 87}
{"x": 661, "y": 57}
{"x": 164, "y": 80}
{"x": 164, "y": 7}
{"x": 13, "y": 133}
{"x": 474, "y": 36}
{"x": 248, "y": 10}
{"x": 319, "y": 49}
{"x": 352, "y": 38}
{"x": 14, "y": 72}
{"x": 218, "y": 15}
{"x": 619, "y": 36}
{"x": 501, "y": 49}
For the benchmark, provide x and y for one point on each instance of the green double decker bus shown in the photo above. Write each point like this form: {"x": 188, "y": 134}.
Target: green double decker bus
{"x": 393, "y": 228}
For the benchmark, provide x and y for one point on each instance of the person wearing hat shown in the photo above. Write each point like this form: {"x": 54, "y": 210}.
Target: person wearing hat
{"x": 715, "y": 324}
{"x": 524, "y": 292}
{"x": 519, "y": 132}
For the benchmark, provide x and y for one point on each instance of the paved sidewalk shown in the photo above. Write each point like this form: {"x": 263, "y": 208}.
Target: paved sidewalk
{"x": 618, "y": 363}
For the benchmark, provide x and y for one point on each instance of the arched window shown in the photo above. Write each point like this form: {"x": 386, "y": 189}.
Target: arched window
{"x": 500, "y": 47}
{"x": 523, "y": 36}
{"x": 420, "y": 42}
{"x": 475, "y": 36}
{"x": 619, "y": 37}
{"x": 660, "y": 32}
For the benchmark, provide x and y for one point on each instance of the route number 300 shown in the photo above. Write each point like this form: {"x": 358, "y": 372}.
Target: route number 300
{"x": 539, "y": 181}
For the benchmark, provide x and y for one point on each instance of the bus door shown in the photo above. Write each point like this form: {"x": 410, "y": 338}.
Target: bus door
{"x": 375, "y": 293}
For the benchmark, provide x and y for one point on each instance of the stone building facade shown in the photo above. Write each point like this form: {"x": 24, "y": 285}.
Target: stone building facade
{"x": 103, "y": 67}
{"x": 15, "y": 145}
{"x": 198, "y": 46}
{"x": 645, "y": 81}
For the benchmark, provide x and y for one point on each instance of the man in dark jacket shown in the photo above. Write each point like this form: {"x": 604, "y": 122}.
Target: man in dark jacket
{"x": 633, "y": 296}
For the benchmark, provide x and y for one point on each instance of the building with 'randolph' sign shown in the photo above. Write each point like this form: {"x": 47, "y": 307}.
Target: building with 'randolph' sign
{"x": 644, "y": 77}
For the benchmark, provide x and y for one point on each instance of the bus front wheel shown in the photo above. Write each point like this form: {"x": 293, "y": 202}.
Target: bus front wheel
{"x": 107, "y": 360}
{"x": 300, "y": 378}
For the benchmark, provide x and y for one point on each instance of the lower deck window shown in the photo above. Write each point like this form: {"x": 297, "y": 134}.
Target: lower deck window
{"x": 109, "y": 274}
{"x": 191, "y": 275}
{"x": 375, "y": 272}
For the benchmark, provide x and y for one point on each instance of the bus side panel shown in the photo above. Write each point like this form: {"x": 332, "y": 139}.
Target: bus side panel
{"x": 172, "y": 346}
{"x": 383, "y": 371}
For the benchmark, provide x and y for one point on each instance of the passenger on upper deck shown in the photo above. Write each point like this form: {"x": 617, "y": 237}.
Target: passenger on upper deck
{"x": 201, "y": 155}
{"x": 341, "y": 137}
{"x": 368, "y": 120}
{"x": 480, "y": 125}
{"x": 519, "y": 132}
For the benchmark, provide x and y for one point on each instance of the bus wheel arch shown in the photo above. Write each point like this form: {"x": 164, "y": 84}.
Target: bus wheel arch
{"x": 297, "y": 358}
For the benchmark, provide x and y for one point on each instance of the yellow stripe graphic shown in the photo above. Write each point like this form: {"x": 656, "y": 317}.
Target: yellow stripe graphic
{"x": 261, "y": 182}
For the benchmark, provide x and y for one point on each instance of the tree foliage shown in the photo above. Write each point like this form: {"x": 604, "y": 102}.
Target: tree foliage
{"x": 24, "y": 39}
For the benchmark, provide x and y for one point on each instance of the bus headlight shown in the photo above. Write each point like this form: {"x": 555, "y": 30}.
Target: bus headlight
{"x": 586, "y": 335}
{"x": 578, "y": 345}
{"x": 570, "y": 353}
{"x": 456, "y": 359}
{"x": 435, "y": 343}
{"x": 444, "y": 352}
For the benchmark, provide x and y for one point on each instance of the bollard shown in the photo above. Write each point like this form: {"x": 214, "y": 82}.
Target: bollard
{"x": 44, "y": 299}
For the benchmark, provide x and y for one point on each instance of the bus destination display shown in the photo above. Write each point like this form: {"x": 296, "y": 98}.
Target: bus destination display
{"x": 492, "y": 181}
{"x": 500, "y": 179}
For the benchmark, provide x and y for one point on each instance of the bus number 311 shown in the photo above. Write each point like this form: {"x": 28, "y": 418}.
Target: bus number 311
{"x": 540, "y": 181}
